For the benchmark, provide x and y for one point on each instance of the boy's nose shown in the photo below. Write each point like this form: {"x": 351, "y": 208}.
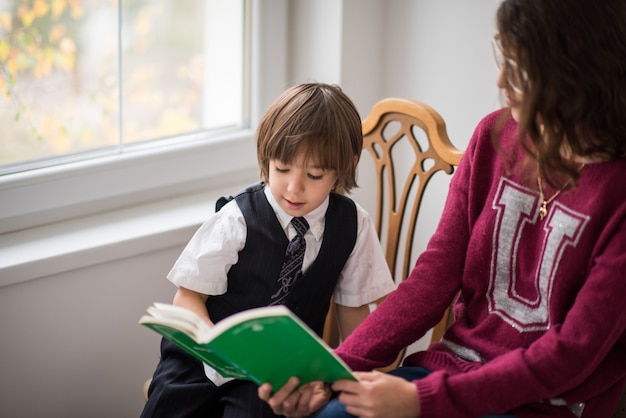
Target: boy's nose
{"x": 295, "y": 184}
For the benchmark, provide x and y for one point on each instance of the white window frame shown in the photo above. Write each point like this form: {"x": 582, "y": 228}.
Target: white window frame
{"x": 79, "y": 214}
{"x": 54, "y": 194}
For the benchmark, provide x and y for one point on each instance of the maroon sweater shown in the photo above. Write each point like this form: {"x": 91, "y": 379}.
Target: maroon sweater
{"x": 540, "y": 322}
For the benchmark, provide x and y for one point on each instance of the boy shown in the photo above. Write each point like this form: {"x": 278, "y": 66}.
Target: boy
{"x": 308, "y": 146}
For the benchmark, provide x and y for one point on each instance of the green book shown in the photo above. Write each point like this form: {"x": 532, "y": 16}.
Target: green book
{"x": 268, "y": 344}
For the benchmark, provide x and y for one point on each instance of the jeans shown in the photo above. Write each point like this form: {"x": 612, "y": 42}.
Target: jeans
{"x": 335, "y": 409}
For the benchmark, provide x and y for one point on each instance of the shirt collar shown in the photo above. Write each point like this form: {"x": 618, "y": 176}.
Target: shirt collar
{"x": 315, "y": 218}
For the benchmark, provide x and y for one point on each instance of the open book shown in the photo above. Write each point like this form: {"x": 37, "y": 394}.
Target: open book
{"x": 268, "y": 344}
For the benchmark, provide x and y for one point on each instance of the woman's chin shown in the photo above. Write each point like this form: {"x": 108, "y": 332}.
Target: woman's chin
{"x": 515, "y": 113}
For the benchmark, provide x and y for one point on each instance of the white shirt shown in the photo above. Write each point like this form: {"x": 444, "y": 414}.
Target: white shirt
{"x": 204, "y": 263}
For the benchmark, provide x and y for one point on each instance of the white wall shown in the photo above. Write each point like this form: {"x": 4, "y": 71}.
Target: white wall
{"x": 439, "y": 52}
{"x": 70, "y": 345}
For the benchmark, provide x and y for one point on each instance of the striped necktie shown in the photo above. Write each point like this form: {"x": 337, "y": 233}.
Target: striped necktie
{"x": 292, "y": 264}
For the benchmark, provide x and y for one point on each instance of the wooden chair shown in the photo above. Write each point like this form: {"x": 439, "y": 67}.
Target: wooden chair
{"x": 401, "y": 180}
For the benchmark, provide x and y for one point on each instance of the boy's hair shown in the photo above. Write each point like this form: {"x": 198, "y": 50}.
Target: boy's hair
{"x": 315, "y": 120}
{"x": 574, "y": 53}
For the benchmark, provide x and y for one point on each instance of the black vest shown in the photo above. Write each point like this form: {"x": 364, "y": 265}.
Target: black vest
{"x": 252, "y": 279}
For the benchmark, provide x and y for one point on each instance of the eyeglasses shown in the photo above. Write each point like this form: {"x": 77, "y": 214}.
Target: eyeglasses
{"x": 515, "y": 76}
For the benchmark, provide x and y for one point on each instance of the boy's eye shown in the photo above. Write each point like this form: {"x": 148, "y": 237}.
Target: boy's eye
{"x": 315, "y": 177}
{"x": 281, "y": 170}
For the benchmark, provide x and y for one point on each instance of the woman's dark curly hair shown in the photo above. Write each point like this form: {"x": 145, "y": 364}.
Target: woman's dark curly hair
{"x": 574, "y": 54}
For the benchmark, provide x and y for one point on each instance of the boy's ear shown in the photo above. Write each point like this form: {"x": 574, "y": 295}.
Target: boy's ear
{"x": 356, "y": 160}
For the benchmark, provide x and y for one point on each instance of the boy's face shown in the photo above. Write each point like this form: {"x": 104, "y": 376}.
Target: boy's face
{"x": 301, "y": 186}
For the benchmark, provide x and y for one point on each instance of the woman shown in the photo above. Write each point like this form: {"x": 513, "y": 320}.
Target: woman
{"x": 532, "y": 239}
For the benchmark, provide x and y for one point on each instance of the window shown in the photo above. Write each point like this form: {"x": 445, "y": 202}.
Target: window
{"x": 128, "y": 173}
{"x": 85, "y": 77}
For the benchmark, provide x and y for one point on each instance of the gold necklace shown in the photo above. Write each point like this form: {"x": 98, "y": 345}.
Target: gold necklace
{"x": 543, "y": 209}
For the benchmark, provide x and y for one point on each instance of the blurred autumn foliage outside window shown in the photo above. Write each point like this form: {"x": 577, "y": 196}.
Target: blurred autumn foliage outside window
{"x": 78, "y": 76}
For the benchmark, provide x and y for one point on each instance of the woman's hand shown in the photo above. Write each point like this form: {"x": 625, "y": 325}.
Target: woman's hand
{"x": 292, "y": 401}
{"x": 378, "y": 395}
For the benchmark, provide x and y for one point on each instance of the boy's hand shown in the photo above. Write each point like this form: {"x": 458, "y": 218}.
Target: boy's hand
{"x": 292, "y": 401}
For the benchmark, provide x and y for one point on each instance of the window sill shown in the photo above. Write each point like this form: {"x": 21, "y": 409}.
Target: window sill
{"x": 64, "y": 246}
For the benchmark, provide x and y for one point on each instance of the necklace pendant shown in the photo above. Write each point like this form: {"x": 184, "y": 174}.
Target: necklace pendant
{"x": 543, "y": 211}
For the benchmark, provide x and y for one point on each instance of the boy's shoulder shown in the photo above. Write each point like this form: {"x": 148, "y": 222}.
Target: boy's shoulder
{"x": 344, "y": 210}
{"x": 344, "y": 201}
{"x": 219, "y": 204}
